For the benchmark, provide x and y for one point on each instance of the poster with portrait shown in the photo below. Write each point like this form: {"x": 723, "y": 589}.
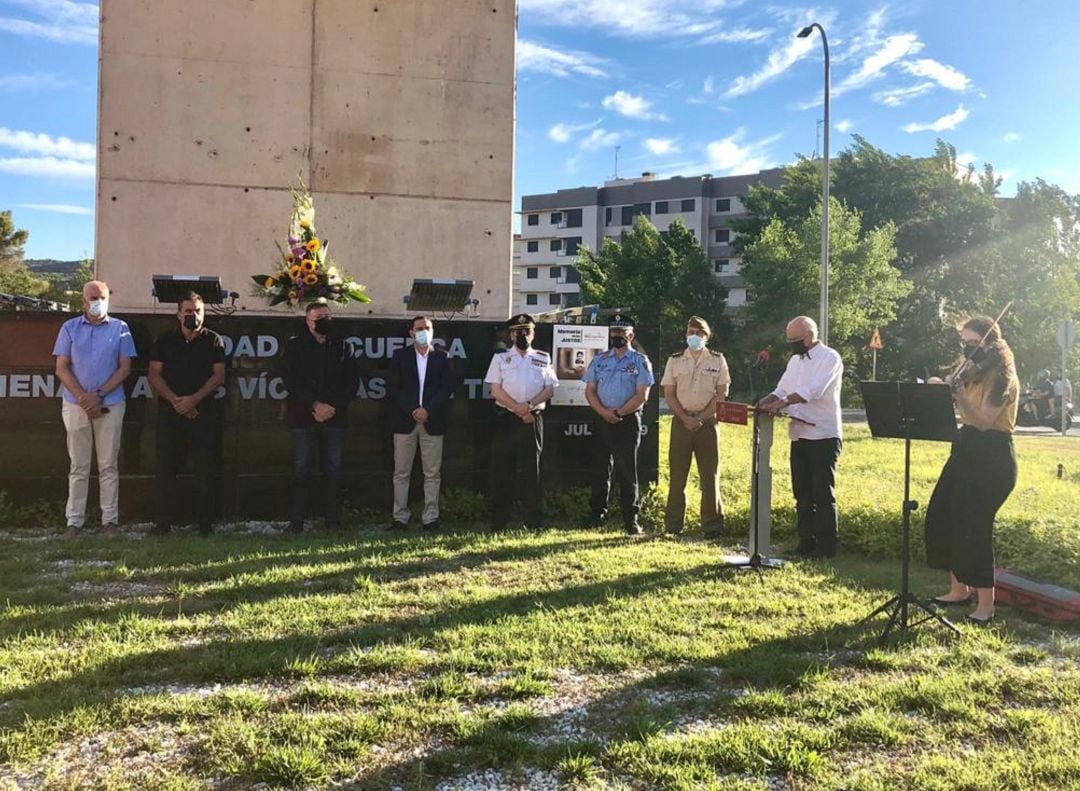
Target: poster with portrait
{"x": 574, "y": 346}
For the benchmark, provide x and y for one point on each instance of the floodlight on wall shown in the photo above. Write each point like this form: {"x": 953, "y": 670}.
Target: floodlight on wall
{"x": 172, "y": 288}
{"x": 448, "y": 296}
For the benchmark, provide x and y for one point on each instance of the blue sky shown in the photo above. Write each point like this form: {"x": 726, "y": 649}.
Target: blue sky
{"x": 682, "y": 86}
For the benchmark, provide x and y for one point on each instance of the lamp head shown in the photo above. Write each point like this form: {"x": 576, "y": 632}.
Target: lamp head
{"x": 806, "y": 31}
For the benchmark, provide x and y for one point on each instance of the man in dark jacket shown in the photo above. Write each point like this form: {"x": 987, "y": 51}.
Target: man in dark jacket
{"x": 419, "y": 385}
{"x": 322, "y": 379}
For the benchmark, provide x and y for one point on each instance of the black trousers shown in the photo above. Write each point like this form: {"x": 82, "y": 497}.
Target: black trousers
{"x": 617, "y": 450}
{"x": 813, "y": 482}
{"x": 178, "y": 440}
{"x": 516, "y": 449}
{"x": 975, "y": 482}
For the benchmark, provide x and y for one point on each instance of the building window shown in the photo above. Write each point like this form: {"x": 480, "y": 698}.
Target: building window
{"x": 688, "y": 204}
{"x": 607, "y": 216}
{"x": 572, "y": 275}
{"x": 554, "y": 299}
{"x": 532, "y": 272}
{"x": 627, "y": 215}
{"x": 721, "y": 264}
{"x": 532, "y": 247}
{"x": 664, "y": 234}
{"x": 723, "y": 204}
{"x": 661, "y": 207}
{"x": 573, "y": 218}
{"x": 572, "y": 245}
{"x": 556, "y": 217}
{"x": 746, "y": 296}
{"x": 534, "y": 219}
{"x": 555, "y": 244}
{"x": 723, "y": 235}
{"x": 556, "y": 272}
{"x": 530, "y": 299}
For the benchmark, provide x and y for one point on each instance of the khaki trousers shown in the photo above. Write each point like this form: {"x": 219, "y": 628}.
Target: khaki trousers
{"x": 84, "y": 437}
{"x": 701, "y": 444}
{"x": 430, "y": 459}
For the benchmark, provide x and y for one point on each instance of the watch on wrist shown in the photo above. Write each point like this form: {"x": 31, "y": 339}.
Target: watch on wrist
{"x": 615, "y": 412}
{"x": 100, "y": 394}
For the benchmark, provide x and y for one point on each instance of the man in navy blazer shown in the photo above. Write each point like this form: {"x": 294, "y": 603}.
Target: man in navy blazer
{"x": 419, "y": 386}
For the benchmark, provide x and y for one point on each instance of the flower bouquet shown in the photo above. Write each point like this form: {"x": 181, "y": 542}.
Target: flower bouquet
{"x": 305, "y": 272}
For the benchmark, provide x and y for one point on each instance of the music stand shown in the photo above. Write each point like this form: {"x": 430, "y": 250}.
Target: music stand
{"x": 907, "y": 410}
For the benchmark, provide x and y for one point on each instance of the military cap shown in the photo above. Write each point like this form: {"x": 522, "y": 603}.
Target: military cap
{"x": 701, "y": 324}
{"x": 621, "y": 320}
{"x": 521, "y": 321}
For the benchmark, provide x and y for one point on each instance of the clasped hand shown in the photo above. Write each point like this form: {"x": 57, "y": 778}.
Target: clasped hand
{"x": 322, "y": 412}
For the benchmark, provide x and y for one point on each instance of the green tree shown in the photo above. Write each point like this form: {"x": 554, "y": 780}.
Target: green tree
{"x": 658, "y": 280}
{"x": 782, "y": 271}
{"x": 15, "y": 277}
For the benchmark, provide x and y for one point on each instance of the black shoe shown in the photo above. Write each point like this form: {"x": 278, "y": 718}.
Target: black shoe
{"x": 594, "y": 521}
{"x": 806, "y": 548}
{"x": 714, "y": 533}
{"x": 937, "y": 601}
{"x": 432, "y": 527}
{"x": 674, "y": 531}
{"x": 206, "y": 529}
{"x": 980, "y": 622}
{"x": 296, "y": 527}
{"x": 823, "y": 553}
{"x": 161, "y": 530}
{"x": 397, "y": 527}
{"x": 634, "y": 529}
{"x": 498, "y": 527}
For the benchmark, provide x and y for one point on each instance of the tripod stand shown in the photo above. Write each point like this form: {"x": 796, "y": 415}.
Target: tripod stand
{"x": 910, "y": 411}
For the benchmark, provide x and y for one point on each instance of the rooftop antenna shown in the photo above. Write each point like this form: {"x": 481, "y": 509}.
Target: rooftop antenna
{"x": 616, "y": 176}
{"x": 817, "y": 137}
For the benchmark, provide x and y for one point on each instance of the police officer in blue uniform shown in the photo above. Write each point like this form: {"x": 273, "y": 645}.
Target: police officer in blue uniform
{"x": 617, "y": 386}
{"x": 522, "y": 379}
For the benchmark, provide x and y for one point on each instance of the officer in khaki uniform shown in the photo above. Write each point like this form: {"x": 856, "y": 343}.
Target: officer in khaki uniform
{"x": 694, "y": 380}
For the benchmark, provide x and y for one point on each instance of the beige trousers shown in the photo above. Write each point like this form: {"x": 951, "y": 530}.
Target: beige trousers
{"x": 430, "y": 459}
{"x": 84, "y": 437}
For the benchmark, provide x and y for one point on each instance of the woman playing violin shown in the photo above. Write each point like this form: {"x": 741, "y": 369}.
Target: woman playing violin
{"x": 980, "y": 472}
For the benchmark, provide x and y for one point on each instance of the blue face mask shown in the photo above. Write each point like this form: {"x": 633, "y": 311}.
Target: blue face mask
{"x": 422, "y": 337}
{"x": 695, "y": 342}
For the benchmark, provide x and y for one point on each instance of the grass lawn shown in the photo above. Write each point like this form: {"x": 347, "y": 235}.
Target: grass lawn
{"x": 560, "y": 659}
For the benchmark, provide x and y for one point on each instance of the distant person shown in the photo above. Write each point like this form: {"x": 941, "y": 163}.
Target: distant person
{"x": 1044, "y": 395}
{"x": 93, "y": 358}
{"x": 322, "y": 380}
{"x": 187, "y": 366}
{"x": 810, "y": 390}
{"x": 419, "y": 385}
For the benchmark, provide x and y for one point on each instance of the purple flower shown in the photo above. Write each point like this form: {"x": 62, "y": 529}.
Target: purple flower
{"x": 294, "y": 240}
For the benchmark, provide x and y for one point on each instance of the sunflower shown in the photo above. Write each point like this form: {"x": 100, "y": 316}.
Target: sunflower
{"x": 270, "y": 282}
{"x": 307, "y": 265}
{"x": 311, "y": 279}
{"x": 305, "y": 224}
{"x": 289, "y": 258}
{"x": 294, "y": 271}
{"x": 313, "y": 246}
{"x": 292, "y": 294}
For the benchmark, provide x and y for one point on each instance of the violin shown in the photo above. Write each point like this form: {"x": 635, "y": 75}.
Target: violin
{"x": 980, "y": 360}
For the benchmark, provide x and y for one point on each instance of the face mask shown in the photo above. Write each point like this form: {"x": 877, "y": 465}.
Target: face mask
{"x": 798, "y": 347}
{"x": 618, "y": 341}
{"x": 521, "y": 340}
{"x": 970, "y": 349}
{"x": 191, "y": 322}
{"x": 99, "y": 307}
{"x": 322, "y": 326}
{"x": 422, "y": 337}
{"x": 695, "y": 342}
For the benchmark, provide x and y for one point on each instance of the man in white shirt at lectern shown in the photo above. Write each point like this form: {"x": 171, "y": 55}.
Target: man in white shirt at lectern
{"x": 810, "y": 390}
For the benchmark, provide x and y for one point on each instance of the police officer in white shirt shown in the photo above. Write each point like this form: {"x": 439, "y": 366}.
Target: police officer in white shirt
{"x": 522, "y": 380}
{"x": 810, "y": 390}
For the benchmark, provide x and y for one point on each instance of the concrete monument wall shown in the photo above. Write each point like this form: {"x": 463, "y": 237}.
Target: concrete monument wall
{"x": 399, "y": 114}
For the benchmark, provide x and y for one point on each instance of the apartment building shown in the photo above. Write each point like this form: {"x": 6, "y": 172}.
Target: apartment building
{"x": 555, "y": 225}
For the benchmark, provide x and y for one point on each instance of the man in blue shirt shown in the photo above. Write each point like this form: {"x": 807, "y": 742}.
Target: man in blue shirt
{"x": 617, "y": 386}
{"x": 93, "y": 358}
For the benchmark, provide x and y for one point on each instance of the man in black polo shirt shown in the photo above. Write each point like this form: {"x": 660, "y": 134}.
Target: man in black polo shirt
{"x": 187, "y": 365}
{"x": 322, "y": 379}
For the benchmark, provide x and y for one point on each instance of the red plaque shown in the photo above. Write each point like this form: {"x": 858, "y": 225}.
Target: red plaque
{"x": 732, "y": 412}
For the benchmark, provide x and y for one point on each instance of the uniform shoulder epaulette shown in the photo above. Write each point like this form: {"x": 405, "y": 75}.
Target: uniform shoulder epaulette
{"x": 541, "y": 352}
{"x": 678, "y": 354}
{"x": 715, "y": 353}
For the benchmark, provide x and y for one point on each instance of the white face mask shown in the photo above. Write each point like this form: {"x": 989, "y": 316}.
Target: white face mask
{"x": 99, "y": 307}
{"x": 695, "y": 342}
{"x": 422, "y": 337}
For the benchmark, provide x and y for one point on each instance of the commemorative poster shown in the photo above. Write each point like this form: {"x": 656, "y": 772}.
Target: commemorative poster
{"x": 574, "y": 346}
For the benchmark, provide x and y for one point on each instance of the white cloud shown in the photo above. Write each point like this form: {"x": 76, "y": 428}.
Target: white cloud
{"x": 945, "y": 76}
{"x": 628, "y": 18}
{"x": 62, "y": 21}
{"x": 44, "y": 145}
{"x": 560, "y": 63}
{"x": 731, "y": 158}
{"x": 563, "y": 133}
{"x": 891, "y": 50}
{"x": 59, "y": 208}
{"x": 741, "y": 35}
{"x": 944, "y": 123}
{"x": 710, "y": 86}
{"x": 1011, "y": 137}
{"x": 631, "y": 106}
{"x": 47, "y": 166}
{"x": 780, "y": 59}
{"x": 895, "y": 97}
{"x": 10, "y": 83}
{"x": 600, "y": 138}
{"x": 661, "y": 146}
{"x": 844, "y": 126}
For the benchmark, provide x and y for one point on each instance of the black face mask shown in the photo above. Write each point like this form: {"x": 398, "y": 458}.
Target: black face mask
{"x": 974, "y": 352}
{"x": 521, "y": 340}
{"x": 322, "y": 326}
{"x": 618, "y": 341}
{"x": 798, "y": 347}
{"x": 191, "y": 322}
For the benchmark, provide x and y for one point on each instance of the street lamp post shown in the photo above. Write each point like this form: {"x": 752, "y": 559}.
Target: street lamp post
{"x": 806, "y": 31}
